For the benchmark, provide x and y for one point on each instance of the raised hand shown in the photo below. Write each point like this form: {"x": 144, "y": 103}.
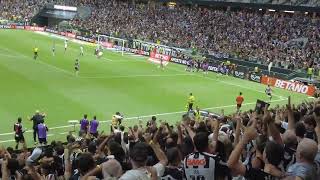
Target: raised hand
{"x": 267, "y": 116}
{"x": 147, "y": 137}
{"x": 250, "y": 133}
{"x": 289, "y": 107}
{"x": 215, "y": 125}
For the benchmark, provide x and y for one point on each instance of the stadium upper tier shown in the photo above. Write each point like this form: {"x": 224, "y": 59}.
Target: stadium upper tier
{"x": 289, "y": 40}
{"x": 305, "y": 3}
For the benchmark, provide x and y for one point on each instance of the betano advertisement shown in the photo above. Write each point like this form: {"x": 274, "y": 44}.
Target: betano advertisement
{"x": 287, "y": 85}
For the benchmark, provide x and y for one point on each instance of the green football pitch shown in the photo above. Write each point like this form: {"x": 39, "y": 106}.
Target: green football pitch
{"x": 129, "y": 84}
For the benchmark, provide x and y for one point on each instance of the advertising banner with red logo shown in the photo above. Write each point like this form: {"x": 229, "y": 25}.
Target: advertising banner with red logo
{"x": 34, "y": 28}
{"x": 106, "y": 44}
{"x": 11, "y": 26}
{"x": 70, "y": 35}
{"x": 156, "y": 58}
{"x": 160, "y": 56}
{"x": 287, "y": 85}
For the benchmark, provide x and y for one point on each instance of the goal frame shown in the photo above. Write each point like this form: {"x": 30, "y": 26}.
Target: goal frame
{"x": 112, "y": 38}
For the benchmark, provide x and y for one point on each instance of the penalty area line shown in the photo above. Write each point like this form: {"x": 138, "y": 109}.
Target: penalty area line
{"x": 130, "y": 118}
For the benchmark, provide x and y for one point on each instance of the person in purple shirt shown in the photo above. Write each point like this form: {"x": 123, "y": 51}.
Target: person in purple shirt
{"x": 84, "y": 124}
{"x": 205, "y": 67}
{"x": 94, "y": 126}
{"x": 42, "y": 133}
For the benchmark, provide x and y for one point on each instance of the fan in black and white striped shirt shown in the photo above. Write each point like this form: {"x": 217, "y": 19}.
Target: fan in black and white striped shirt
{"x": 202, "y": 165}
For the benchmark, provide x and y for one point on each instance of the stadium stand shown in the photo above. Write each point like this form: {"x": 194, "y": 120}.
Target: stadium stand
{"x": 261, "y": 36}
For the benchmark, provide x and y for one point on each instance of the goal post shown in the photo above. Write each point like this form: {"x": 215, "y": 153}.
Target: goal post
{"x": 109, "y": 42}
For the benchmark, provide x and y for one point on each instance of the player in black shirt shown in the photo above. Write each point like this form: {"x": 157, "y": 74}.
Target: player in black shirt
{"x": 198, "y": 65}
{"x": 18, "y": 132}
{"x": 77, "y": 67}
{"x": 36, "y": 119}
{"x": 189, "y": 63}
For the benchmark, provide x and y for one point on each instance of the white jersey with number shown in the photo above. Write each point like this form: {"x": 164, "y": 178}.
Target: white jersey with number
{"x": 81, "y": 49}
{"x": 65, "y": 44}
{"x": 204, "y": 166}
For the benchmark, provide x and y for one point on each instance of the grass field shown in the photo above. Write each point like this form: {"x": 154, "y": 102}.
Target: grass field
{"x": 128, "y": 84}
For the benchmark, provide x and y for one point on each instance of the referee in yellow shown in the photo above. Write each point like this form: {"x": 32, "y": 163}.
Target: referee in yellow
{"x": 191, "y": 100}
{"x": 35, "y": 52}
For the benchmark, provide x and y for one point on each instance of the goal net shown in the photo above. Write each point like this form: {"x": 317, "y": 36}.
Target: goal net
{"x": 112, "y": 43}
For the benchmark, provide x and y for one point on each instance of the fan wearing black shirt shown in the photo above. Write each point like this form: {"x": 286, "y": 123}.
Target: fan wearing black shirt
{"x": 272, "y": 154}
{"x": 36, "y": 119}
{"x": 172, "y": 170}
{"x": 290, "y": 145}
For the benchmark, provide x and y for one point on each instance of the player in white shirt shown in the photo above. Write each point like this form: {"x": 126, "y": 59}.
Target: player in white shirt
{"x": 81, "y": 51}
{"x": 269, "y": 92}
{"x": 65, "y": 45}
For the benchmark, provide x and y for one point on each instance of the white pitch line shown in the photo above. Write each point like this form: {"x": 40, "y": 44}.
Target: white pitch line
{"x": 30, "y": 131}
{"x": 224, "y": 82}
{"x": 8, "y": 55}
{"x": 43, "y": 63}
{"x": 133, "y": 76}
{"x": 231, "y": 84}
{"x": 57, "y": 68}
{"x": 107, "y": 59}
{"x": 160, "y": 114}
{"x": 5, "y": 141}
{"x": 144, "y": 116}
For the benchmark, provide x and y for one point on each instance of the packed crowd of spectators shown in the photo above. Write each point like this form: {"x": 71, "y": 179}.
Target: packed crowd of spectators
{"x": 275, "y": 143}
{"x": 255, "y": 35}
{"x": 18, "y": 10}
{"x": 21, "y": 10}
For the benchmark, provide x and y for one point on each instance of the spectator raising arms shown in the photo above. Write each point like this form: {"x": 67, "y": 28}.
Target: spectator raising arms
{"x": 273, "y": 145}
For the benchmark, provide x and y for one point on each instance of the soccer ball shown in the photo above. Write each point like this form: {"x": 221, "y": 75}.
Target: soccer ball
{"x": 100, "y": 54}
